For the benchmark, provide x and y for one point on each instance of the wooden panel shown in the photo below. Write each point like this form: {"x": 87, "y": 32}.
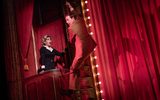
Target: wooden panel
{"x": 48, "y": 89}
{"x": 32, "y": 91}
{"x": 45, "y": 86}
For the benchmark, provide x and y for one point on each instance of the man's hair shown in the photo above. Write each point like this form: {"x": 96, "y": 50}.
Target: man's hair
{"x": 72, "y": 14}
{"x": 45, "y": 38}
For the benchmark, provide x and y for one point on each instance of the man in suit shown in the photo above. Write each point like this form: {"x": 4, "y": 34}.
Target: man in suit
{"x": 84, "y": 45}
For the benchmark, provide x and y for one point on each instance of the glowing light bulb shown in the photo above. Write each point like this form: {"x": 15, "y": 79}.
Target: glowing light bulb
{"x": 87, "y": 9}
{"x": 97, "y": 65}
{"x": 86, "y": 2}
{"x": 98, "y": 73}
{"x": 90, "y": 24}
{"x": 99, "y": 82}
{"x": 91, "y": 33}
{"x": 89, "y": 17}
{"x": 95, "y": 57}
{"x": 101, "y": 91}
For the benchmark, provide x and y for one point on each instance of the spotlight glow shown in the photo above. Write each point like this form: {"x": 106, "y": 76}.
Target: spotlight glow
{"x": 99, "y": 82}
{"x": 95, "y": 57}
{"x": 87, "y": 9}
{"x": 86, "y": 2}
{"x": 91, "y": 33}
{"x": 90, "y": 24}
{"x": 101, "y": 91}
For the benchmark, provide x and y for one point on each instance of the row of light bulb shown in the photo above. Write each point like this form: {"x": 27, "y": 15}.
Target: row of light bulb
{"x": 98, "y": 83}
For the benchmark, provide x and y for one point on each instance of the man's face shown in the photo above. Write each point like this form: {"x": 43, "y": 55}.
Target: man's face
{"x": 69, "y": 20}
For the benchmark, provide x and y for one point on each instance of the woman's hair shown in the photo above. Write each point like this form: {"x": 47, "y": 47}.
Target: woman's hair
{"x": 45, "y": 38}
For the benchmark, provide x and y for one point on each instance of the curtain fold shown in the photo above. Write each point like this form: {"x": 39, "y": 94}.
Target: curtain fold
{"x": 56, "y": 31}
{"x": 128, "y": 53}
{"x": 24, "y": 13}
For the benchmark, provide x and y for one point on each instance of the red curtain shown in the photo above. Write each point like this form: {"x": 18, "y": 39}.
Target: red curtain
{"x": 24, "y": 13}
{"x": 24, "y": 17}
{"x": 128, "y": 53}
{"x": 55, "y": 30}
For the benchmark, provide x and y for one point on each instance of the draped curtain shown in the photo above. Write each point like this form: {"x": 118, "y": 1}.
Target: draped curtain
{"x": 128, "y": 52}
{"x": 24, "y": 18}
{"x": 55, "y": 30}
{"x": 24, "y": 13}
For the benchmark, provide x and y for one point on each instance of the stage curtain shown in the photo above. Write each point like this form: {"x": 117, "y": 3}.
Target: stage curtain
{"x": 56, "y": 31}
{"x": 24, "y": 13}
{"x": 127, "y": 33}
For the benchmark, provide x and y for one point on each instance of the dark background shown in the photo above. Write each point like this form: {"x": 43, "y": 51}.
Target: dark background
{"x": 3, "y": 80}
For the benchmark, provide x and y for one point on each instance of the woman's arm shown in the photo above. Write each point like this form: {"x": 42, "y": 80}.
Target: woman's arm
{"x": 58, "y": 53}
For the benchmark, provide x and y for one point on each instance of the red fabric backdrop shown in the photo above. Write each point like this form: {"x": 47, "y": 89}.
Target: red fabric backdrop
{"x": 24, "y": 17}
{"x": 128, "y": 52}
{"x": 24, "y": 13}
{"x": 55, "y": 30}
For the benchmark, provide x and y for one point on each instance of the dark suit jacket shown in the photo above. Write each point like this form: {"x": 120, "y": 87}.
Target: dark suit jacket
{"x": 47, "y": 57}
